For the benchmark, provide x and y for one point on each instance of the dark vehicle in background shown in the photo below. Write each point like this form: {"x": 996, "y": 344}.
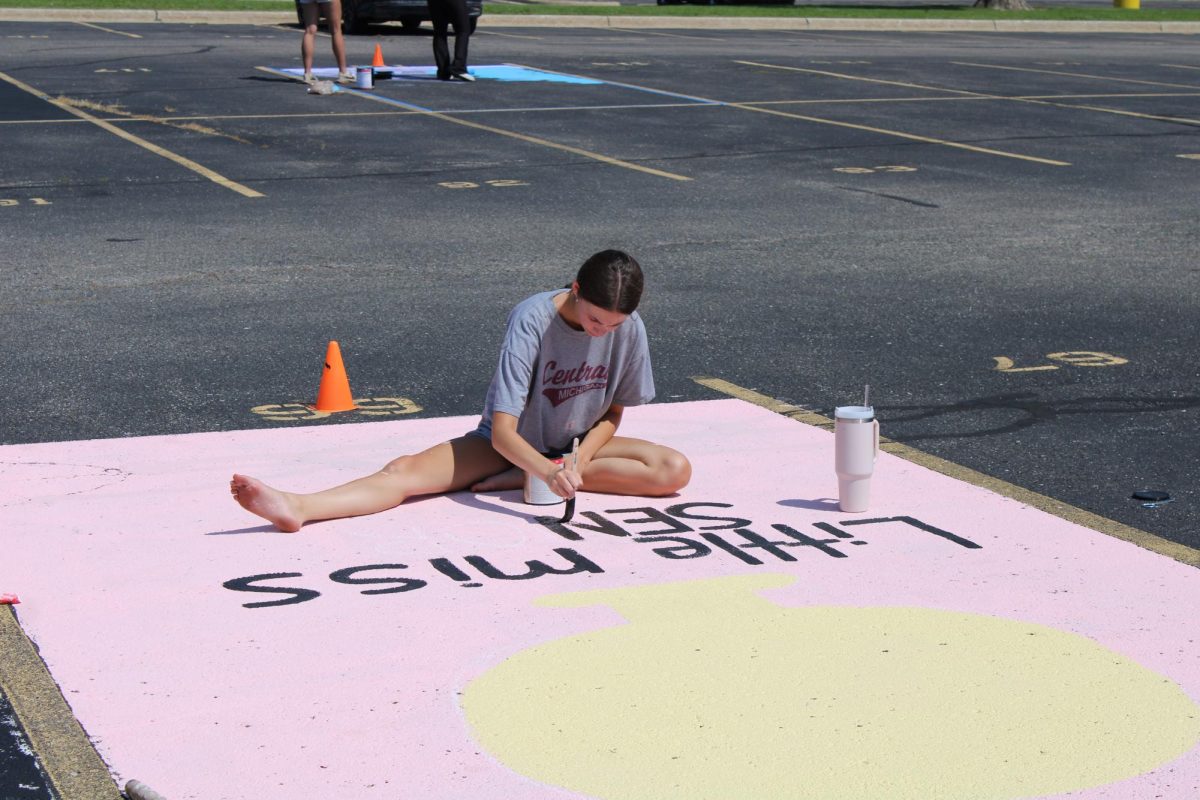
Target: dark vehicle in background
{"x": 358, "y": 14}
{"x": 727, "y": 2}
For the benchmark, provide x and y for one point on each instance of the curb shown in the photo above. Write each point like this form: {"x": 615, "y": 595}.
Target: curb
{"x": 68, "y": 757}
{"x": 589, "y": 21}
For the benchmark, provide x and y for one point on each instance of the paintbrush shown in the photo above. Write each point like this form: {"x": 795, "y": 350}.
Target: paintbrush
{"x": 574, "y": 464}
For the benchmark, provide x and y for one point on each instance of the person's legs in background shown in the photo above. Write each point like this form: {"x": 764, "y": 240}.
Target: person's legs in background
{"x": 311, "y": 13}
{"x": 462, "y": 36}
{"x": 311, "y": 16}
{"x": 333, "y": 15}
{"x": 439, "y": 14}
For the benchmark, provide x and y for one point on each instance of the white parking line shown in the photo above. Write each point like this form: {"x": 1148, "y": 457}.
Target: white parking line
{"x": 449, "y": 117}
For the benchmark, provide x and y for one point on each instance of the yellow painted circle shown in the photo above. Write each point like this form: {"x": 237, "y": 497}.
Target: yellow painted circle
{"x": 712, "y": 692}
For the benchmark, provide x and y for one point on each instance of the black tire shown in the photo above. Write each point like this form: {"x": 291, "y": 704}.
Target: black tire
{"x": 410, "y": 24}
{"x": 299, "y": 16}
{"x": 352, "y": 23}
{"x": 471, "y": 24}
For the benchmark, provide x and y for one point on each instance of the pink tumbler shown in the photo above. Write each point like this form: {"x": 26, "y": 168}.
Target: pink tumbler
{"x": 856, "y": 445}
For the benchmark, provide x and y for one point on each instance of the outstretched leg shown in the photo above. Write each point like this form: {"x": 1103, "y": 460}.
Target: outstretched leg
{"x": 636, "y": 467}
{"x": 446, "y": 467}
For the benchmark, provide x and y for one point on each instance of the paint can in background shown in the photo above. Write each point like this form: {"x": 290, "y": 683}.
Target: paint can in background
{"x": 136, "y": 790}
{"x": 364, "y": 78}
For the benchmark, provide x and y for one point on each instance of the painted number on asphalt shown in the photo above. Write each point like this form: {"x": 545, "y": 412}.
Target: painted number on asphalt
{"x": 472, "y": 185}
{"x": 386, "y": 406}
{"x": 7, "y": 202}
{"x": 370, "y": 406}
{"x": 869, "y": 170}
{"x": 1074, "y": 358}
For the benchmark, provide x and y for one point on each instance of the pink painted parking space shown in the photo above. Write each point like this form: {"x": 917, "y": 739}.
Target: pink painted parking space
{"x": 744, "y": 638}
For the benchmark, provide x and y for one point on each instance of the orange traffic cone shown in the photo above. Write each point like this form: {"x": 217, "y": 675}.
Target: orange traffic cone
{"x": 334, "y": 394}
{"x": 377, "y": 61}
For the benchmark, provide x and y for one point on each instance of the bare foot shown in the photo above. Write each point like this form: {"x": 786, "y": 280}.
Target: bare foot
{"x": 275, "y": 506}
{"x": 511, "y": 478}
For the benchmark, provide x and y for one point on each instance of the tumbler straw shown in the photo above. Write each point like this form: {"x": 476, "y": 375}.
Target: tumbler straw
{"x": 866, "y": 395}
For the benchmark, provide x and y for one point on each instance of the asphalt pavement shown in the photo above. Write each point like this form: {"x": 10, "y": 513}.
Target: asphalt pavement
{"x": 996, "y": 231}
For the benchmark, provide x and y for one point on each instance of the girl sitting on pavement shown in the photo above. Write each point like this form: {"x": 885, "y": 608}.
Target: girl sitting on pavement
{"x": 571, "y": 361}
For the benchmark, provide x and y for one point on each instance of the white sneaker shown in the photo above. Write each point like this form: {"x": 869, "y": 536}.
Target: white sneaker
{"x": 309, "y": 79}
{"x": 346, "y": 77}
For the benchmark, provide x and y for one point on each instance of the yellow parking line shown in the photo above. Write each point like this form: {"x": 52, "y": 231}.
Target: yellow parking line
{"x": 1122, "y": 113}
{"x": 1045, "y": 98}
{"x": 884, "y": 131}
{"x": 1076, "y": 75}
{"x": 1104, "y": 95}
{"x": 616, "y": 162}
{"x": 845, "y": 76}
{"x": 902, "y": 135}
{"x": 1118, "y": 530}
{"x": 963, "y": 94}
{"x": 770, "y": 403}
{"x": 200, "y": 169}
{"x": 849, "y": 101}
{"x": 109, "y": 30}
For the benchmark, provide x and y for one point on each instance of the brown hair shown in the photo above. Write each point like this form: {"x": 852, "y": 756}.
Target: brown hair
{"x": 611, "y": 280}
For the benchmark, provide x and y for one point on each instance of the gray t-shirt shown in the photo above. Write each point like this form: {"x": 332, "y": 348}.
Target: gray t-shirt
{"x": 559, "y": 381}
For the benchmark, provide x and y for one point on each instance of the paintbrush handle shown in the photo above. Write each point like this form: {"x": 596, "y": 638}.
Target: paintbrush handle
{"x": 569, "y": 511}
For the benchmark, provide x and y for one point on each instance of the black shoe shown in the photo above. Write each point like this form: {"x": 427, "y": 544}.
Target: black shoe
{"x": 462, "y": 76}
{"x": 443, "y": 76}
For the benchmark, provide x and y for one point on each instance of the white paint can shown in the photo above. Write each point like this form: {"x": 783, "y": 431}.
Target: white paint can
{"x": 140, "y": 791}
{"x": 365, "y": 78}
{"x": 537, "y": 491}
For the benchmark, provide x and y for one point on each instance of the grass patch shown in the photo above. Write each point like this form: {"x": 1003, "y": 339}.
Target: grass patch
{"x": 159, "y": 5}
{"x": 1161, "y": 13}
